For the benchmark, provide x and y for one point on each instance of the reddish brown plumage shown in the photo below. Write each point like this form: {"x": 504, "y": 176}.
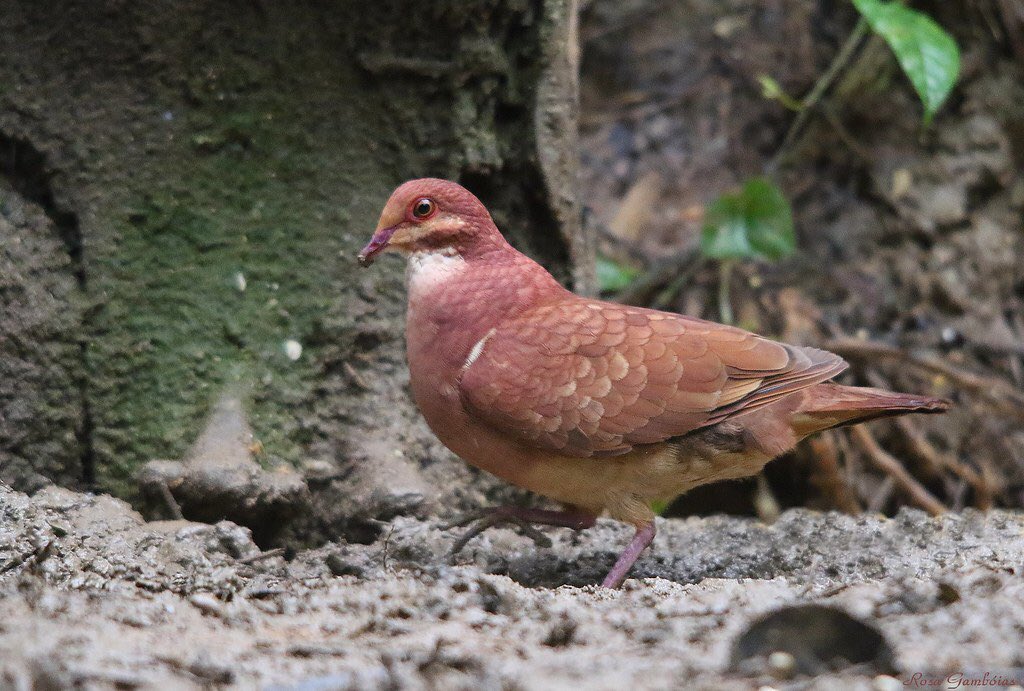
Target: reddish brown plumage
{"x": 590, "y": 378}
{"x": 602, "y": 406}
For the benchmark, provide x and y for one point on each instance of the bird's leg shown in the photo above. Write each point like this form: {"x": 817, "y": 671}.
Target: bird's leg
{"x": 521, "y": 517}
{"x": 641, "y": 539}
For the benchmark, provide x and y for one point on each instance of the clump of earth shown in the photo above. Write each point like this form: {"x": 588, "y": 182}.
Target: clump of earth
{"x": 93, "y": 596}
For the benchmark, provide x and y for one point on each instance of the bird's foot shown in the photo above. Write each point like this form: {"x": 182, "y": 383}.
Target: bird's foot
{"x": 641, "y": 539}
{"x": 522, "y": 518}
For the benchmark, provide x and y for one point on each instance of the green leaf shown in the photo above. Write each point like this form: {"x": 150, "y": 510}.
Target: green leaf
{"x": 659, "y": 507}
{"x": 754, "y": 223}
{"x": 927, "y": 53}
{"x": 612, "y": 276}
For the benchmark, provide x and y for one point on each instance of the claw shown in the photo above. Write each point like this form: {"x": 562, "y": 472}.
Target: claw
{"x": 519, "y": 517}
{"x": 467, "y": 518}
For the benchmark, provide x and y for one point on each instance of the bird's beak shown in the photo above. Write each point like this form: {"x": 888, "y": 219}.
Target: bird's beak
{"x": 377, "y": 243}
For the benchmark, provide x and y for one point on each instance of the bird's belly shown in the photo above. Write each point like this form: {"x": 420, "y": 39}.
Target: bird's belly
{"x": 625, "y": 486}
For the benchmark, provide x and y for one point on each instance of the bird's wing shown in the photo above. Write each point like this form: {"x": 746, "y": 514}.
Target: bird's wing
{"x": 590, "y": 378}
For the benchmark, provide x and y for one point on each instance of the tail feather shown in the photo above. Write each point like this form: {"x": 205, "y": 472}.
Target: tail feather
{"x": 830, "y": 405}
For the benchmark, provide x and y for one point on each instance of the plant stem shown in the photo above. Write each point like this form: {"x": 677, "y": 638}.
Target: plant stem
{"x": 822, "y": 85}
{"x": 724, "y": 299}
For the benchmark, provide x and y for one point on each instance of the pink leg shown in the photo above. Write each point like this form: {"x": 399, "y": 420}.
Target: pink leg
{"x": 521, "y": 517}
{"x": 641, "y": 539}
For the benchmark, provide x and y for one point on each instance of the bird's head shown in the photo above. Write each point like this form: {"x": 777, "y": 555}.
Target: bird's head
{"x": 431, "y": 215}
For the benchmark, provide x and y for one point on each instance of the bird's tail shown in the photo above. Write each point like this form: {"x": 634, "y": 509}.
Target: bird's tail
{"x": 830, "y": 405}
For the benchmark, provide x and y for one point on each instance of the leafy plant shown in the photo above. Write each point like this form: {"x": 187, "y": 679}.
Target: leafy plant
{"x": 755, "y": 222}
{"x": 613, "y": 276}
{"x": 927, "y": 53}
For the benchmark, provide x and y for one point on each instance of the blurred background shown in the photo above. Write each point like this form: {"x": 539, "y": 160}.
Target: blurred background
{"x": 908, "y": 233}
{"x": 184, "y": 186}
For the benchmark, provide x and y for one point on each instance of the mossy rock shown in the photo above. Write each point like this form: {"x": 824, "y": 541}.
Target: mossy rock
{"x": 223, "y": 164}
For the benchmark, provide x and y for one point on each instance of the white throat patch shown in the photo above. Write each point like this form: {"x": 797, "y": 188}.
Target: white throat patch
{"x": 429, "y": 269}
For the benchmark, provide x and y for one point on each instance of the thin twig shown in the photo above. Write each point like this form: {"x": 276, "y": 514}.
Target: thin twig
{"x": 260, "y": 556}
{"x": 621, "y": 244}
{"x": 881, "y": 495}
{"x": 923, "y": 449}
{"x": 664, "y": 299}
{"x": 387, "y": 544}
{"x": 894, "y": 469}
{"x": 1012, "y": 23}
{"x": 839, "y": 62}
{"x": 765, "y": 503}
{"x": 958, "y": 495}
{"x": 844, "y": 134}
{"x": 994, "y": 390}
{"x": 935, "y": 460}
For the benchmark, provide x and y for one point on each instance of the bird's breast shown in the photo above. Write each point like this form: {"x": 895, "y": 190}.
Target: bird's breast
{"x": 455, "y": 307}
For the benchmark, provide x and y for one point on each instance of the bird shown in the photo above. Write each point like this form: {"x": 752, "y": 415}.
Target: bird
{"x": 603, "y": 407}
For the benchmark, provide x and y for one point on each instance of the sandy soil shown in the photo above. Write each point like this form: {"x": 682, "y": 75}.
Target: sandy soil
{"x": 91, "y": 596}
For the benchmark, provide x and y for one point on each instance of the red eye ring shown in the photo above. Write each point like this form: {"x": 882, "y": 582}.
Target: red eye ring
{"x": 423, "y": 208}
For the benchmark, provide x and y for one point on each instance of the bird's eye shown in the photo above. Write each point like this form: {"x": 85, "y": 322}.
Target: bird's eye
{"x": 423, "y": 208}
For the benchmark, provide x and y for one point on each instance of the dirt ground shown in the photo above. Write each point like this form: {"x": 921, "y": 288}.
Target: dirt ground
{"x": 93, "y": 597}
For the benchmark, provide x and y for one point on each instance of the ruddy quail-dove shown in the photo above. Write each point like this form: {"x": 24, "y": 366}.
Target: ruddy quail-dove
{"x": 603, "y": 407}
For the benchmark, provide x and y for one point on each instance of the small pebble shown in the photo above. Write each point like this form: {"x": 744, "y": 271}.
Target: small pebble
{"x": 240, "y": 282}
{"x": 293, "y": 349}
{"x": 206, "y": 603}
{"x": 883, "y": 682}
{"x": 340, "y": 566}
{"x": 782, "y": 665}
{"x": 902, "y": 180}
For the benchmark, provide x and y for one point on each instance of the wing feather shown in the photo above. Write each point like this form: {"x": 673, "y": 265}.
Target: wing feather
{"x": 590, "y": 378}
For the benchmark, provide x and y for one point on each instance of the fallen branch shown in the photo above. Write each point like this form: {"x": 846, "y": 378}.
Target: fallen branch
{"x": 937, "y": 461}
{"x": 170, "y": 502}
{"x": 888, "y": 464}
{"x": 996, "y": 391}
